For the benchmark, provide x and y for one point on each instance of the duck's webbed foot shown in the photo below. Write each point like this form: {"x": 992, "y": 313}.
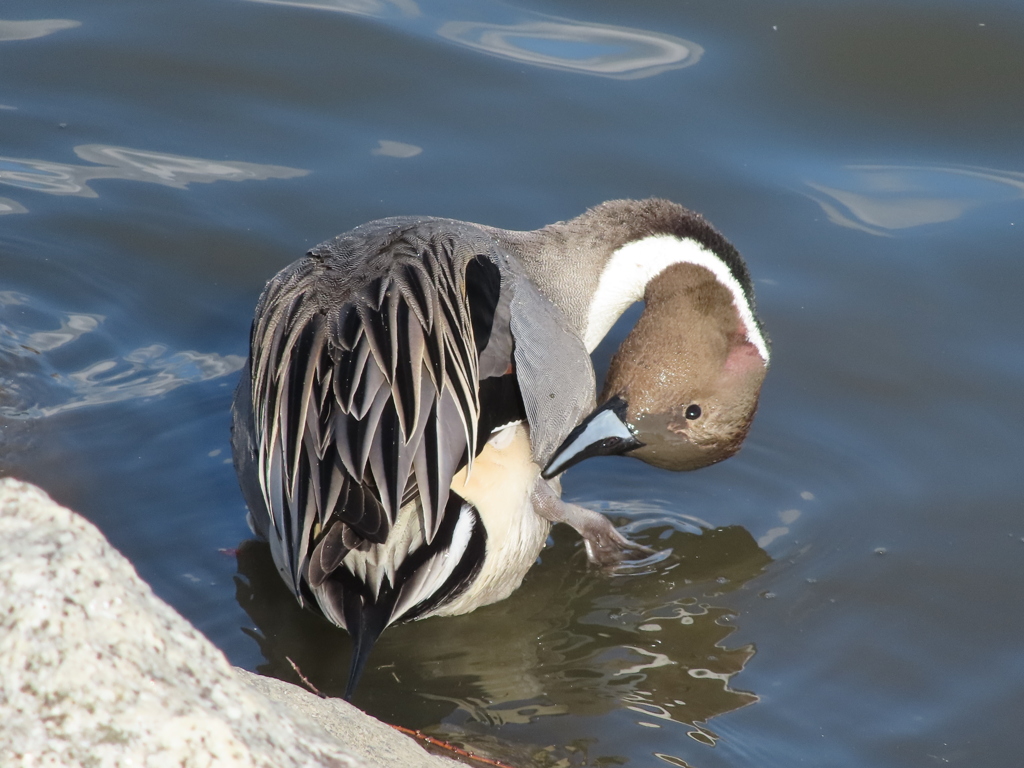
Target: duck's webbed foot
{"x": 605, "y": 545}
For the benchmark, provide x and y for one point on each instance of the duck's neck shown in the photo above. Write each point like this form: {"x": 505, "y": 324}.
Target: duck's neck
{"x": 598, "y": 264}
{"x": 642, "y": 270}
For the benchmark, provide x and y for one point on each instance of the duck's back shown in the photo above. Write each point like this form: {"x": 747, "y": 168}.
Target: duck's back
{"x": 381, "y": 364}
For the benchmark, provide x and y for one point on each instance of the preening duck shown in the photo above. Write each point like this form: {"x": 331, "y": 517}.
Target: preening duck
{"x": 415, "y": 386}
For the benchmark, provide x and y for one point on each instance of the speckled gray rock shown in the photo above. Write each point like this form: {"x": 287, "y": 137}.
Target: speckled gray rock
{"x": 96, "y": 670}
{"x": 363, "y": 734}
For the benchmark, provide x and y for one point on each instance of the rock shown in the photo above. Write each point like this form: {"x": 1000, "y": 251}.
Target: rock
{"x": 96, "y": 670}
{"x": 363, "y": 734}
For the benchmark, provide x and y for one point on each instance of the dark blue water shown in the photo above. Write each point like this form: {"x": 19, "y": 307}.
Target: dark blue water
{"x": 845, "y": 592}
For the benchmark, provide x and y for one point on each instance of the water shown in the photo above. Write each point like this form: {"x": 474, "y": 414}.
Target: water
{"x": 844, "y": 592}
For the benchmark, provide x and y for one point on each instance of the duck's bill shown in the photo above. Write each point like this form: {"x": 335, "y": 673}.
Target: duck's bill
{"x": 605, "y": 432}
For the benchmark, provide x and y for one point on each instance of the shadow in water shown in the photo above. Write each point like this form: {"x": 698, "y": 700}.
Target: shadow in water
{"x": 570, "y": 641}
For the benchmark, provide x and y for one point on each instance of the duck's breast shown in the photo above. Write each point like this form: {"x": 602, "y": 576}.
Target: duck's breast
{"x": 500, "y": 486}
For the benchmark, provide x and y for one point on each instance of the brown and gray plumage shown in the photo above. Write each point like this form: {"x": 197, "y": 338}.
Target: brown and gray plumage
{"x": 409, "y": 380}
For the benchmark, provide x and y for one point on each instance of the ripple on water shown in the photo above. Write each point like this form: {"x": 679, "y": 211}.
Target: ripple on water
{"x": 583, "y": 47}
{"x": 35, "y": 383}
{"x": 131, "y": 165}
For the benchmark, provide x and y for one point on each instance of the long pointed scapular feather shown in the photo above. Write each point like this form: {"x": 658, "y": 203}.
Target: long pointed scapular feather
{"x": 364, "y": 382}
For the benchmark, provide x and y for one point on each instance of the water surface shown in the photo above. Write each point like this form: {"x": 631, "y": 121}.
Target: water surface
{"x": 844, "y": 592}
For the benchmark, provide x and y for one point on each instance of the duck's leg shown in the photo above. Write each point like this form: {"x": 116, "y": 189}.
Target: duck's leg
{"x": 605, "y": 545}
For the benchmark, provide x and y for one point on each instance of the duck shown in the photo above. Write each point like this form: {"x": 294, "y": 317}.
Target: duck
{"x": 416, "y": 386}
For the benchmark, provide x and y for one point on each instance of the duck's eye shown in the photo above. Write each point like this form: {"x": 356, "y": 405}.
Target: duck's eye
{"x": 693, "y": 412}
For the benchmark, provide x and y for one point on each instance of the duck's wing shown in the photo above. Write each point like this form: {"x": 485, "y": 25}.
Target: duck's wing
{"x": 555, "y": 375}
{"x": 364, "y": 395}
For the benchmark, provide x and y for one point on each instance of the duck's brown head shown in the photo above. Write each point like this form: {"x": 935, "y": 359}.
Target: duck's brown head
{"x": 682, "y": 389}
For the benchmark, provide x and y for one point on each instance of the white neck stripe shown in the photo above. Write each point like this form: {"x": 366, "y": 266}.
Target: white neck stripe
{"x": 634, "y": 265}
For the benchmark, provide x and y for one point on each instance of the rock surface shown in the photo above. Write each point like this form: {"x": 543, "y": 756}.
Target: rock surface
{"x": 96, "y": 670}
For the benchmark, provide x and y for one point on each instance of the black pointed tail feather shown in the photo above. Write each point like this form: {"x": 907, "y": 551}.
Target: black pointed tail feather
{"x": 368, "y": 615}
{"x": 366, "y": 621}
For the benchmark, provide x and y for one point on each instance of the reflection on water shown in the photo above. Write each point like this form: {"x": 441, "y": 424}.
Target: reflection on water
{"x": 11, "y": 206}
{"x": 33, "y": 28}
{"x": 570, "y": 641}
{"x": 880, "y": 198}
{"x": 787, "y": 517}
{"x": 619, "y": 52}
{"x": 131, "y": 164}
{"x": 376, "y": 8}
{"x": 896, "y": 397}
{"x": 32, "y": 386}
{"x": 395, "y": 149}
{"x": 594, "y": 49}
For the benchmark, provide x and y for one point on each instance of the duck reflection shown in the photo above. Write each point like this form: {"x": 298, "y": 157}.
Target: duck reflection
{"x": 568, "y": 642}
